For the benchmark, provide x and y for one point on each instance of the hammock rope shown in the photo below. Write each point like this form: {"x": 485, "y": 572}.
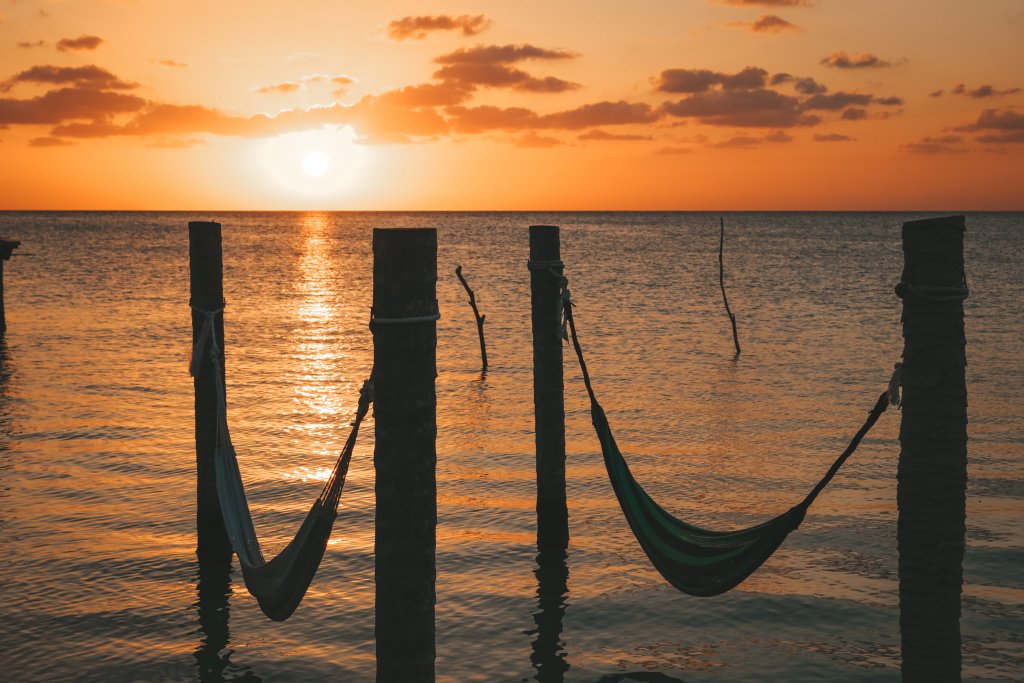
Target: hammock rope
{"x": 280, "y": 583}
{"x": 698, "y": 561}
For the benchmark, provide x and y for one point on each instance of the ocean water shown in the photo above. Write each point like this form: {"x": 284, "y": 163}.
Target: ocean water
{"x": 98, "y": 574}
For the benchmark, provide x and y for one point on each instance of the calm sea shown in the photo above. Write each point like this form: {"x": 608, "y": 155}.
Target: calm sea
{"x": 97, "y": 487}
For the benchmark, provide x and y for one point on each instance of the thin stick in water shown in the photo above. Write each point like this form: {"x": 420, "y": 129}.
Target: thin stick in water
{"x": 476, "y": 313}
{"x": 721, "y": 282}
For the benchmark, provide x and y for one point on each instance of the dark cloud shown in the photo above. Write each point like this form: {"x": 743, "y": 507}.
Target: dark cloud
{"x": 864, "y": 60}
{"x": 889, "y": 101}
{"x": 27, "y": 45}
{"x": 983, "y": 91}
{"x": 997, "y": 126}
{"x": 484, "y": 118}
{"x": 501, "y": 76}
{"x": 83, "y": 42}
{"x": 936, "y": 93}
{"x": 833, "y": 137}
{"x": 935, "y": 145}
{"x": 90, "y": 76}
{"x": 49, "y": 141}
{"x": 808, "y": 86}
{"x": 419, "y": 27}
{"x": 759, "y": 108}
{"x": 68, "y": 104}
{"x": 837, "y": 100}
{"x": 702, "y": 80}
{"x": 854, "y": 114}
{"x": 172, "y": 64}
{"x": 604, "y": 135}
{"x": 501, "y": 54}
{"x": 766, "y": 23}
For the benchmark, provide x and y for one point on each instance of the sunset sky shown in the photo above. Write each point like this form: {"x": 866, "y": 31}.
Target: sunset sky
{"x": 575, "y": 105}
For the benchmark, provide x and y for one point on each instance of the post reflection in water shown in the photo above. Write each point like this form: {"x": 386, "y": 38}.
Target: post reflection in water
{"x": 548, "y": 656}
{"x": 213, "y": 658}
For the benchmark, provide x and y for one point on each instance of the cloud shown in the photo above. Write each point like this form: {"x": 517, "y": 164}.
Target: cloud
{"x": 983, "y": 91}
{"x": 766, "y": 23}
{"x": 90, "y": 76}
{"x": 760, "y": 108}
{"x": 484, "y": 118}
{"x": 175, "y": 143}
{"x": 936, "y": 93}
{"x": 599, "y": 134}
{"x": 27, "y": 45}
{"x": 443, "y": 94}
{"x": 172, "y": 64}
{"x": 863, "y": 60}
{"x": 419, "y": 27}
{"x": 286, "y": 87}
{"x": 833, "y": 137}
{"x": 535, "y": 140}
{"x": 501, "y": 54}
{"x": 49, "y": 141}
{"x": 501, "y": 76}
{"x": 83, "y": 42}
{"x": 750, "y": 141}
{"x": 854, "y": 114}
{"x": 702, "y": 80}
{"x": 998, "y": 126}
{"x": 67, "y": 104}
{"x": 935, "y": 145}
{"x": 837, "y": 100}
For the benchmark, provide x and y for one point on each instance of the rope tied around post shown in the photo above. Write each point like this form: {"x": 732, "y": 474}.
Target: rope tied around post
{"x": 937, "y": 294}
{"x": 429, "y": 318}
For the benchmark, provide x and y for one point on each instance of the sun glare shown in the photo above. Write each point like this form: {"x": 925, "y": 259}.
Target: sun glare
{"x": 315, "y": 163}
{"x": 321, "y": 162}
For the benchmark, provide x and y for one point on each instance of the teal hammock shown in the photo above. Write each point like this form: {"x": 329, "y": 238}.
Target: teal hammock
{"x": 698, "y": 561}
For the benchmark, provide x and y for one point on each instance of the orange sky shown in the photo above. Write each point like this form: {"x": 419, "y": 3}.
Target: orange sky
{"x": 393, "y": 105}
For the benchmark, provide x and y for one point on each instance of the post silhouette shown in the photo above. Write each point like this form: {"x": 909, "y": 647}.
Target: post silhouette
{"x": 548, "y": 647}
{"x": 206, "y": 272}
{"x": 932, "y": 475}
{"x": 476, "y": 314}
{"x": 7, "y": 247}
{"x": 405, "y": 406}
{"x": 548, "y": 399}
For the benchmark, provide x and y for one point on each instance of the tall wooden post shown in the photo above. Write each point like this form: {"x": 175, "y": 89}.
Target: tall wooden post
{"x": 207, "y": 294}
{"x": 548, "y": 399}
{"x": 405, "y": 458}
{"x": 933, "y": 449}
{"x": 7, "y": 247}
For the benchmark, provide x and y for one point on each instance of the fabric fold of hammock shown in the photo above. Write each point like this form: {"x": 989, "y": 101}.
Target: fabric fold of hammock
{"x": 280, "y": 583}
{"x": 697, "y": 561}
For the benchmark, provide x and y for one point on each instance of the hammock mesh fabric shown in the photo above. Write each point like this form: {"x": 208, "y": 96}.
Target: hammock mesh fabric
{"x": 280, "y": 583}
{"x": 697, "y": 561}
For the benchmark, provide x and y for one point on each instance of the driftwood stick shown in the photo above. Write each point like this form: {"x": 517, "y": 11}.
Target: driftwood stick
{"x": 721, "y": 282}
{"x": 476, "y": 313}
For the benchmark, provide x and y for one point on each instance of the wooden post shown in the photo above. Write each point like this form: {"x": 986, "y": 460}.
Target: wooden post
{"x": 213, "y": 612}
{"x": 721, "y": 283}
{"x": 933, "y": 449}
{"x": 476, "y": 314}
{"x": 6, "y": 248}
{"x": 207, "y": 288}
{"x": 548, "y": 399}
{"x": 405, "y": 458}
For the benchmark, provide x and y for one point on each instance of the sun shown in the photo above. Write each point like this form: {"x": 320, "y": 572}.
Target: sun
{"x": 323, "y": 162}
{"x": 315, "y": 163}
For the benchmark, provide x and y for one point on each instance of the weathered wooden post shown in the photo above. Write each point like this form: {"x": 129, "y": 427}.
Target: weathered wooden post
{"x": 207, "y": 294}
{"x": 405, "y": 457}
{"x": 548, "y": 400}
{"x": 933, "y": 449}
{"x": 7, "y": 247}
